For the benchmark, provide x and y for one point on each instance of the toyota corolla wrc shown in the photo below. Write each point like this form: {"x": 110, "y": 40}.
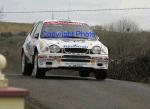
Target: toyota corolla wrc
{"x": 64, "y": 44}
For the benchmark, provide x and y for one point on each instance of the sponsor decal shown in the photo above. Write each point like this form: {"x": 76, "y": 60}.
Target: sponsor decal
{"x": 41, "y": 44}
{"x": 75, "y": 46}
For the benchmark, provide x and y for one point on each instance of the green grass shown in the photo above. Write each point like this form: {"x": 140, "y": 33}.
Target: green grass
{"x": 15, "y": 27}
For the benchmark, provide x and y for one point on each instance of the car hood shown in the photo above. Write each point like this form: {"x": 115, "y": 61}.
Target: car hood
{"x": 73, "y": 43}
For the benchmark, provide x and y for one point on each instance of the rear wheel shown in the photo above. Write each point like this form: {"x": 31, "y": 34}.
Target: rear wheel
{"x": 39, "y": 72}
{"x": 100, "y": 74}
{"x": 84, "y": 73}
{"x": 26, "y": 67}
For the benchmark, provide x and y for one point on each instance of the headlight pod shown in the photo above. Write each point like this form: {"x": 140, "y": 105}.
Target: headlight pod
{"x": 104, "y": 51}
{"x": 96, "y": 50}
{"x": 54, "y": 49}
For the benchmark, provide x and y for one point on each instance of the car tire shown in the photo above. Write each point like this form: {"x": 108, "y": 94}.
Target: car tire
{"x": 38, "y": 72}
{"x": 100, "y": 74}
{"x": 26, "y": 67}
{"x": 84, "y": 73}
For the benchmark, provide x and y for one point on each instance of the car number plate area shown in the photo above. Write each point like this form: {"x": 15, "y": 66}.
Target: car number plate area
{"x": 75, "y": 64}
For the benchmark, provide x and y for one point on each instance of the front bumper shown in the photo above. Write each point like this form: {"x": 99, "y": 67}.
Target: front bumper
{"x": 61, "y": 60}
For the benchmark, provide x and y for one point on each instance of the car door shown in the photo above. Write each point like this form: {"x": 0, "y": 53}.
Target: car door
{"x": 29, "y": 41}
{"x": 34, "y": 37}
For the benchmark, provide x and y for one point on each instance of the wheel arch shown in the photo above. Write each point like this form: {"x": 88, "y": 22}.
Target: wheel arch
{"x": 35, "y": 51}
{"x": 23, "y": 51}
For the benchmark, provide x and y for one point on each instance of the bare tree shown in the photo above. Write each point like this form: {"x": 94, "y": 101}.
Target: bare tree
{"x": 124, "y": 25}
{"x": 1, "y": 13}
{"x": 97, "y": 27}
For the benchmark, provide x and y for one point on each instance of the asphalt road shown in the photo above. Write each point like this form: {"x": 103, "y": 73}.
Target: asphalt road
{"x": 61, "y": 92}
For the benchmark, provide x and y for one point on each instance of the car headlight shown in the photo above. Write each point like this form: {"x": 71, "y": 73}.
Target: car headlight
{"x": 96, "y": 50}
{"x": 54, "y": 49}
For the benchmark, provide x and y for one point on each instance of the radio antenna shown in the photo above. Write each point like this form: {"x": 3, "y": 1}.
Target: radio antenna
{"x": 52, "y": 14}
{"x": 69, "y": 8}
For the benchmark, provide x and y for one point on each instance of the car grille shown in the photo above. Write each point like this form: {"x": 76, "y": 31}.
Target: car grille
{"x": 75, "y": 58}
{"x": 76, "y": 50}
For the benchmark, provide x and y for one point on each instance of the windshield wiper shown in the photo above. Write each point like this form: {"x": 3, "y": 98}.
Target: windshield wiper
{"x": 77, "y": 37}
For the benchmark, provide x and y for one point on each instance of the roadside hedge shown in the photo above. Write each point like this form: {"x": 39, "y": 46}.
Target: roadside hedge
{"x": 129, "y": 55}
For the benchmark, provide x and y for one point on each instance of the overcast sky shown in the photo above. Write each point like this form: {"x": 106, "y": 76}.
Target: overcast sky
{"x": 141, "y": 17}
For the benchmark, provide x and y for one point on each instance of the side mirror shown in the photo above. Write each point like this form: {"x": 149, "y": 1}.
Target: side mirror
{"x": 97, "y": 38}
{"x": 36, "y": 35}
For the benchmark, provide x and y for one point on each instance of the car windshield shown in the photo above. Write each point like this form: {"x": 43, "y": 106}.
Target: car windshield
{"x": 67, "y": 30}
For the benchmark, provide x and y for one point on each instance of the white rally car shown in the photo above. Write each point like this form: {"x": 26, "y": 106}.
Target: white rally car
{"x": 64, "y": 44}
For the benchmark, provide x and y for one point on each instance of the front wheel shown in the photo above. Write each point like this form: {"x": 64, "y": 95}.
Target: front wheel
{"x": 100, "y": 74}
{"x": 26, "y": 67}
{"x": 38, "y": 72}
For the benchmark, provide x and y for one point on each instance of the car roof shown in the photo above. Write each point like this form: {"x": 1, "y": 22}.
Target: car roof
{"x": 62, "y": 20}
